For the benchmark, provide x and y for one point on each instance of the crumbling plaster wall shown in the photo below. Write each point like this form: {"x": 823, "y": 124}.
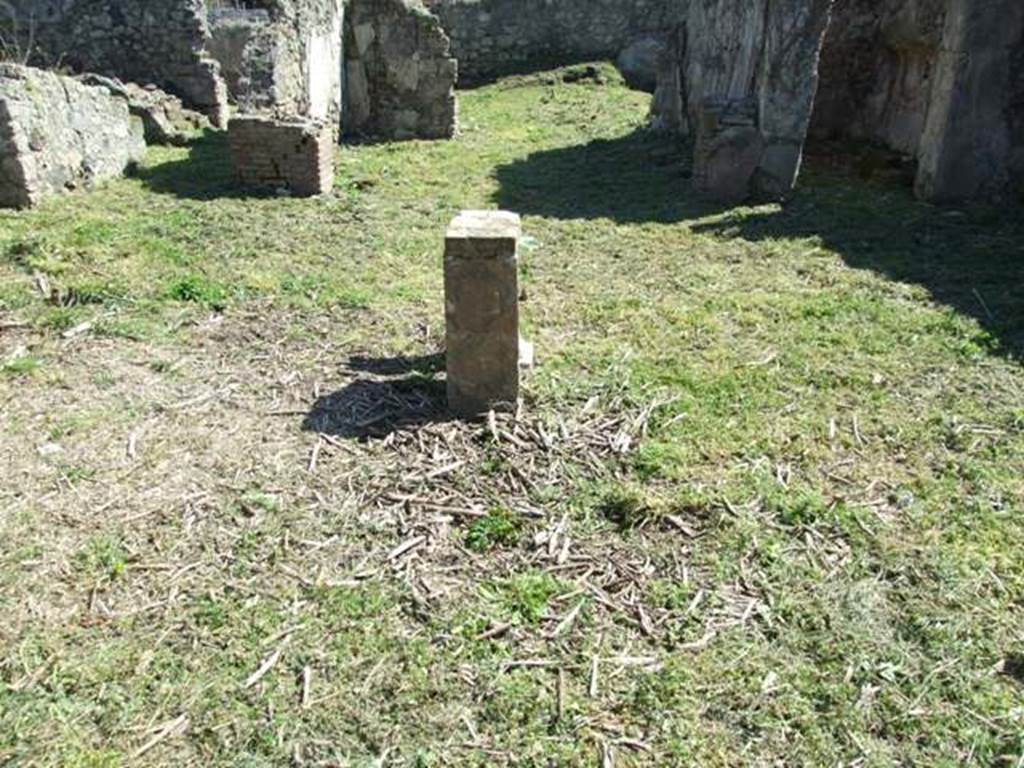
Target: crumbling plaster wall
{"x": 148, "y": 41}
{"x": 282, "y": 55}
{"x": 491, "y": 38}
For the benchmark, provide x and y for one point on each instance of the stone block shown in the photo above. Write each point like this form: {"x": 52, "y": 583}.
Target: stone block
{"x": 481, "y": 282}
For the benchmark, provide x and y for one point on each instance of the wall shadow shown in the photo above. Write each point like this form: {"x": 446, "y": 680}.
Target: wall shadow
{"x": 371, "y": 408}
{"x": 397, "y": 365}
{"x": 206, "y": 174}
{"x": 971, "y": 259}
{"x": 636, "y": 178}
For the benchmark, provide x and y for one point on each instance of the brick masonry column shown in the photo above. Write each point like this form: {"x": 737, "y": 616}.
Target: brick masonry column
{"x": 481, "y": 283}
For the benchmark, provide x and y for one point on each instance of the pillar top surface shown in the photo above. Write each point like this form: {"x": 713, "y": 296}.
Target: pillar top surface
{"x": 485, "y": 225}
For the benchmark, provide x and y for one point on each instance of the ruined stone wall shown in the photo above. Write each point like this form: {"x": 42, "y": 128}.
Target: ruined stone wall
{"x": 147, "y": 41}
{"x": 58, "y": 134}
{"x": 877, "y": 64}
{"x": 243, "y": 42}
{"x": 491, "y": 38}
{"x": 283, "y": 55}
{"x": 1016, "y": 115}
{"x": 400, "y": 76}
{"x": 967, "y": 145}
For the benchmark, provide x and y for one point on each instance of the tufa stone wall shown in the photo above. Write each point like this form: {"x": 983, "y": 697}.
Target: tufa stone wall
{"x": 146, "y": 41}
{"x": 491, "y": 38}
{"x": 57, "y": 134}
{"x": 400, "y": 76}
{"x": 284, "y": 55}
{"x": 297, "y": 155}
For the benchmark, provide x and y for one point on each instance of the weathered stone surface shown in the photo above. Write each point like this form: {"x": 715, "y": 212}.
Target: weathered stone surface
{"x": 969, "y": 140}
{"x": 937, "y": 80}
{"x": 639, "y": 61}
{"x": 296, "y": 155}
{"x": 57, "y": 134}
{"x": 876, "y": 67}
{"x": 146, "y": 41}
{"x": 164, "y": 118}
{"x": 668, "y": 107}
{"x": 284, "y": 56}
{"x": 481, "y": 283}
{"x": 729, "y": 149}
{"x": 400, "y": 74}
{"x": 764, "y": 52}
{"x": 491, "y": 38}
{"x": 244, "y": 43}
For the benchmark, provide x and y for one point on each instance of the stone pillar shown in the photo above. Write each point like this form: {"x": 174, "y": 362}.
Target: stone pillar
{"x": 481, "y": 283}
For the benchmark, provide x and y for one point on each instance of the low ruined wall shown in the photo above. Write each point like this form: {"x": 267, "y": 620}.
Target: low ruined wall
{"x": 491, "y": 38}
{"x": 58, "y": 134}
{"x": 297, "y": 155}
{"x": 146, "y": 41}
{"x": 400, "y": 76}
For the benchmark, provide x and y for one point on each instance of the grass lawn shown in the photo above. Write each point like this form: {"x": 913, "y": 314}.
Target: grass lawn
{"x": 763, "y": 504}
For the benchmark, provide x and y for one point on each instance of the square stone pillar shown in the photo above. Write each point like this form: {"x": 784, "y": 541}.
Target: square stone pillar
{"x": 481, "y": 284}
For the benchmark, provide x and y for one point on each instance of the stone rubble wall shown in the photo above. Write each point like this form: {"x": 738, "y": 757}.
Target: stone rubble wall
{"x": 876, "y": 66}
{"x": 297, "y": 155}
{"x": 400, "y": 75}
{"x": 491, "y": 38}
{"x": 284, "y": 56}
{"x": 146, "y": 41}
{"x": 58, "y": 134}
{"x": 243, "y": 41}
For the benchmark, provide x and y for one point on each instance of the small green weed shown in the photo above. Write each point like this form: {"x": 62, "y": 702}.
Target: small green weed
{"x": 499, "y": 528}
{"x": 524, "y": 597}
{"x": 199, "y": 290}
{"x": 20, "y": 366}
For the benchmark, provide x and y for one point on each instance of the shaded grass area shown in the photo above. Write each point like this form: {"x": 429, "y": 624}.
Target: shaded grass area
{"x": 763, "y": 504}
